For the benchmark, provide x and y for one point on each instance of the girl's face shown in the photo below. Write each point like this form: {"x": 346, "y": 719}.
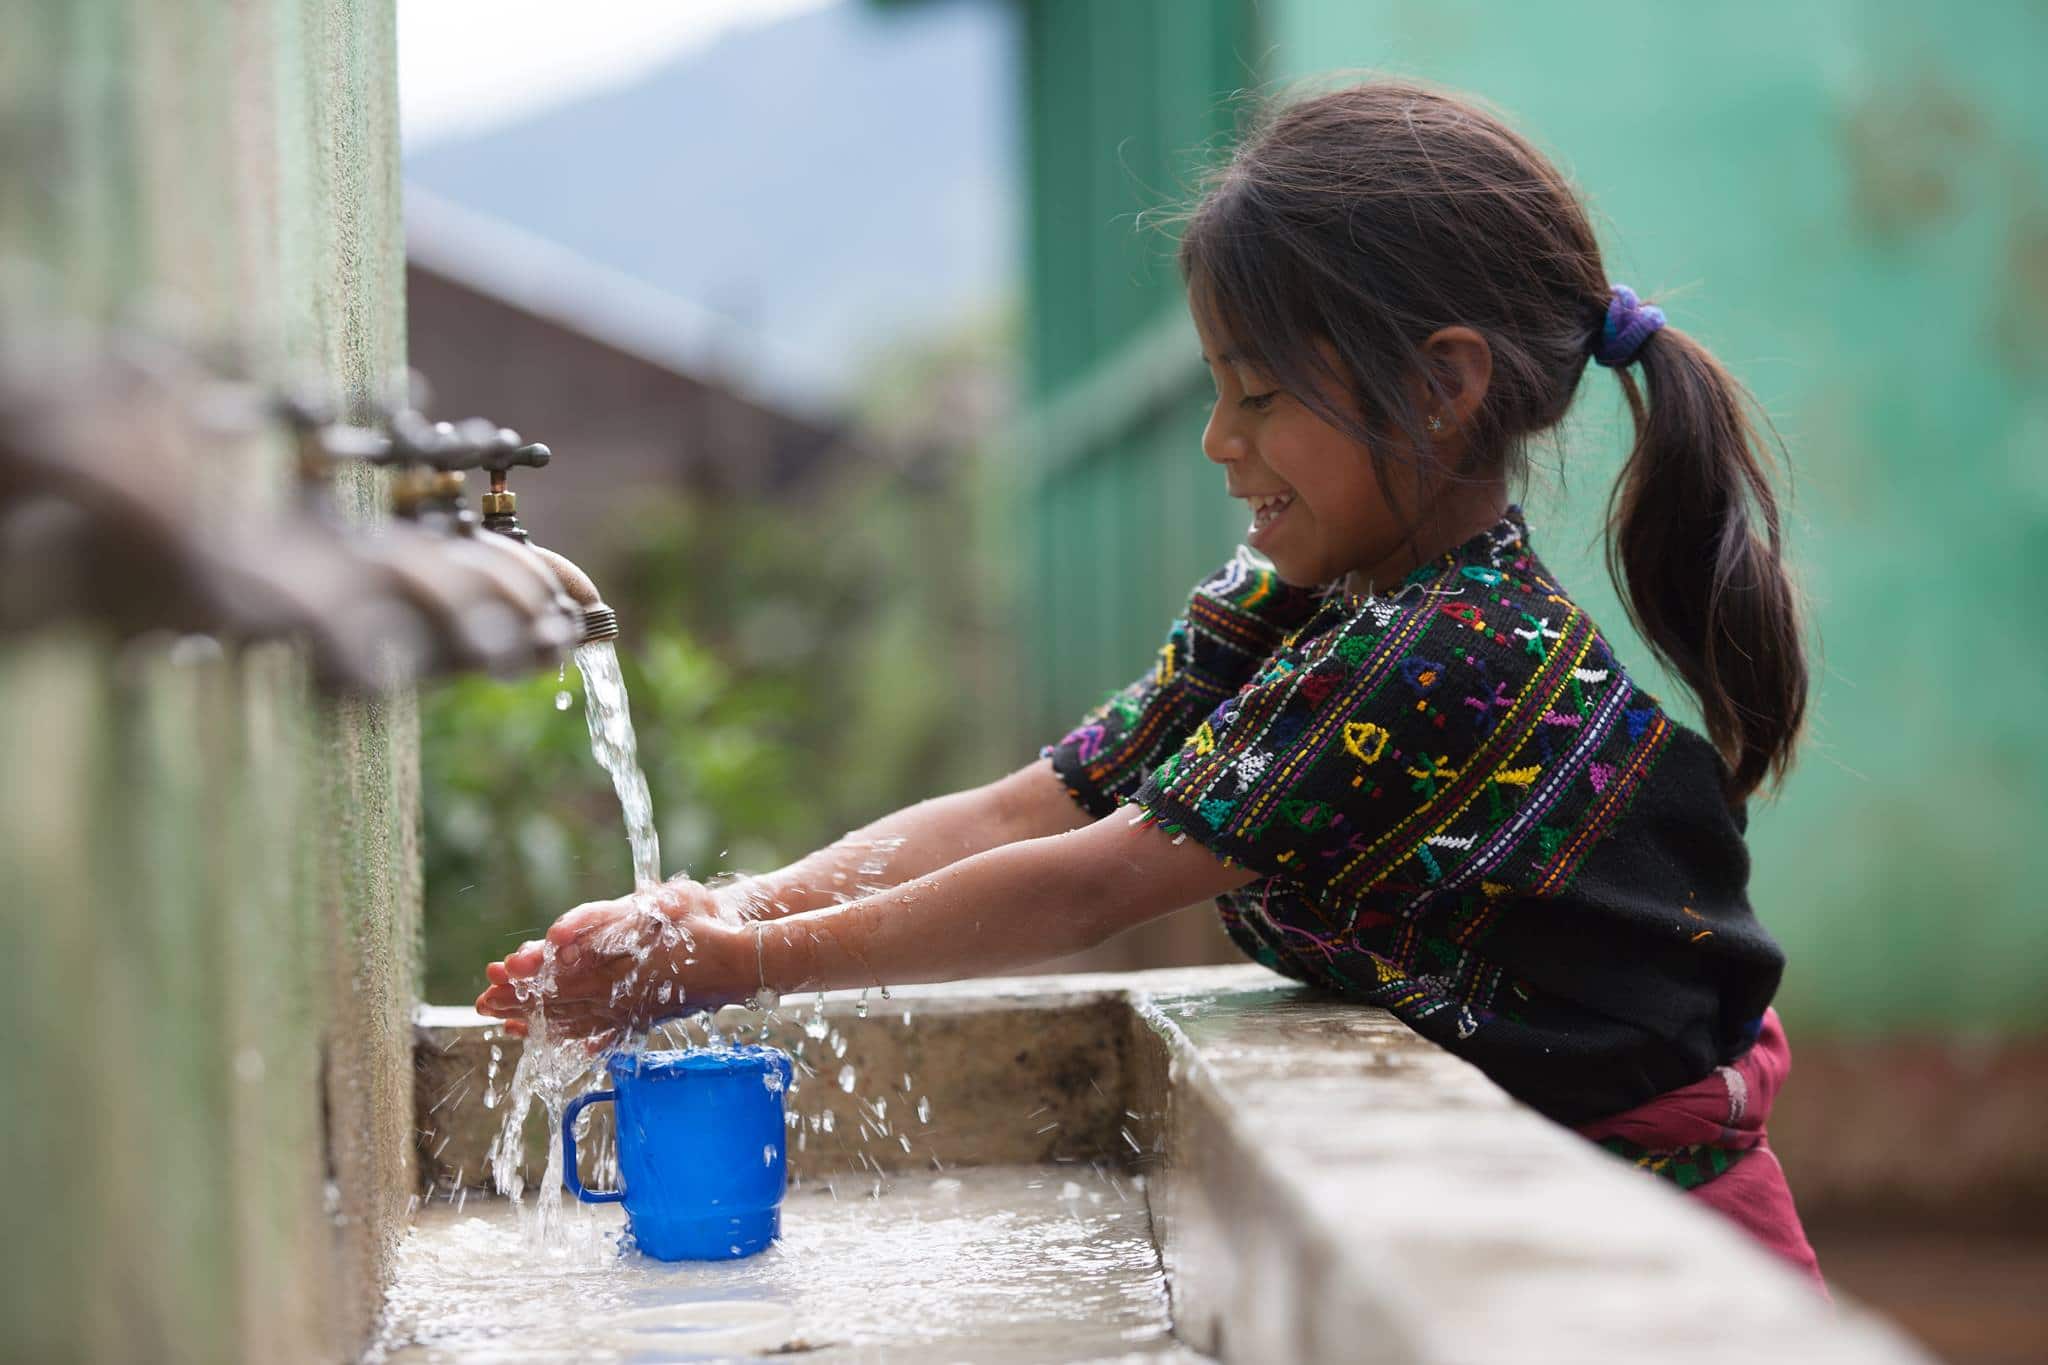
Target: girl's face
{"x": 1316, "y": 509}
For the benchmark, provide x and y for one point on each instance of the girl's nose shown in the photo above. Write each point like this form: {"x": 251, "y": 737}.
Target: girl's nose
{"x": 1220, "y": 443}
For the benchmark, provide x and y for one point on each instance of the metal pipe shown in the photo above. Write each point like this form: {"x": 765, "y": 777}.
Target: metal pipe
{"x": 600, "y": 622}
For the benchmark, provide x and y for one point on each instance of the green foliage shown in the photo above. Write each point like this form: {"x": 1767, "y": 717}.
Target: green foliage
{"x": 521, "y": 823}
{"x": 795, "y": 669}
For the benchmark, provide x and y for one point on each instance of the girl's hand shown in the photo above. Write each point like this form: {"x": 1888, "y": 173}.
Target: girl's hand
{"x": 609, "y": 966}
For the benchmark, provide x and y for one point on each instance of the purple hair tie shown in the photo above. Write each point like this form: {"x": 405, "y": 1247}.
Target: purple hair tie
{"x": 1629, "y": 323}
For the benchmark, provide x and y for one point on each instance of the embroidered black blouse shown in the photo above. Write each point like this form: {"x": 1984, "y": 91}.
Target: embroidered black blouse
{"x": 1463, "y": 810}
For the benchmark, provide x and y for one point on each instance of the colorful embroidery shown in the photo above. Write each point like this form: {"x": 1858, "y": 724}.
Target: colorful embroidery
{"x": 1686, "y": 1167}
{"x": 1422, "y": 775}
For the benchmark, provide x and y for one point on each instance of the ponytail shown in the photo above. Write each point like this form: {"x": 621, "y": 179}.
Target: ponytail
{"x": 1692, "y": 533}
{"x": 1371, "y": 217}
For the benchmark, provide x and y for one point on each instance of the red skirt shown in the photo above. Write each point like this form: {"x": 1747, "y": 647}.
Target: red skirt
{"x": 1710, "y": 1136}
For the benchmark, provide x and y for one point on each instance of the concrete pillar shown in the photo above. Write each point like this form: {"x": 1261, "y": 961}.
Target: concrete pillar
{"x": 209, "y": 881}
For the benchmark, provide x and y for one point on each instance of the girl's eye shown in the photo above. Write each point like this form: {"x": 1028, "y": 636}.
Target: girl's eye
{"x": 1259, "y": 402}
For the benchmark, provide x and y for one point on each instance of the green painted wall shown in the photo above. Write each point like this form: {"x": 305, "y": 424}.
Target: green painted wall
{"x": 1849, "y": 202}
{"x": 1125, "y": 103}
{"x": 211, "y": 880}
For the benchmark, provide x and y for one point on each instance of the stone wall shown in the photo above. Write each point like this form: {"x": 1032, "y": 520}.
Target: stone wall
{"x": 210, "y": 878}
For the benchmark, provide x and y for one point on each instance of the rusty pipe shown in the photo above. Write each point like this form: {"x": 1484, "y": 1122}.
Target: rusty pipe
{"x": 600, "y": 622}
{"x": 531, "y": 583}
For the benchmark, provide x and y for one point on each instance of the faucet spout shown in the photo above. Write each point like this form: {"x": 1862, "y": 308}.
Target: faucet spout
{"x": 499, "y": 451}
{"x": 600, "y": 622}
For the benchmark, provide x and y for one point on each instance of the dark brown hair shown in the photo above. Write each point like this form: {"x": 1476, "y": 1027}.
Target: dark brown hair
{"x": 1372, "y": 216}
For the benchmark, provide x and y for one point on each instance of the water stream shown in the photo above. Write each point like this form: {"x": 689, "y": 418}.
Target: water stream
{"x": 612, "y": 742}
{"x": 551, "y": 1069}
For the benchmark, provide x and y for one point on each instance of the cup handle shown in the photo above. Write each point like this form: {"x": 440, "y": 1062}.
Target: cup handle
{"x": 569, "y": 1176}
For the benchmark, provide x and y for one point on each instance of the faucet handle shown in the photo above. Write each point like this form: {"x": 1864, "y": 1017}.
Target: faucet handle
{"x": 506, "y": 453}
{"x": 501, "y": 454}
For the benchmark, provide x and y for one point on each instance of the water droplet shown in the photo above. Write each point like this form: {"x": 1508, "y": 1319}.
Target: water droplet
{"x": 826, "y": 1121}
{"x": 767, "y": 1154}
{"x": 846, "y": 1079}
{"x": 563, "y": 701}
{"x": 816, "y": 1027}
{"x": 885, "y": 992}
{"x": 924, "y": 1109}
{"x": 860, "y": 1005}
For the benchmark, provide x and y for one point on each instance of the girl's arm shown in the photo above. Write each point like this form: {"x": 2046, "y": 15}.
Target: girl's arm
{"x": 1025, "y": 804}
{"x": 997, "y": 911}
{"x": 1000, "y": 909}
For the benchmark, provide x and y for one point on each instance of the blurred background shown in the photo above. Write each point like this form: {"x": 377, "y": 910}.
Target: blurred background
{"x": 876, "y": 412}
{"x": 885, "y": 412}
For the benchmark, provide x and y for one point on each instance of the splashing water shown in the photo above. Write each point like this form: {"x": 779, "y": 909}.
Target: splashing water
{"x": 551, "y": 1067}
{"x": 612, "y": 741}
{"x": 994, "y": 1263}
{"x": 547, "y": 1068}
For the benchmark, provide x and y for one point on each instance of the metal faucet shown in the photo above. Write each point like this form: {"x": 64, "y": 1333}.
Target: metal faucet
{"x": 97, "y": 525}
{"x": 501, "y": 516}
{"x": 433, "y": 458}
{"x": 511, "y": 576}
{"x": 499, "y": 608}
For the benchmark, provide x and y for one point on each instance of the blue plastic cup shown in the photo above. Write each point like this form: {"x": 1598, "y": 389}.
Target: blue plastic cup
{"x": 701, "y": 1152}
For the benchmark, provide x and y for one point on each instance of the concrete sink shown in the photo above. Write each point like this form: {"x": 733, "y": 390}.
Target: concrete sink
{"x": 1207, "y": 1163}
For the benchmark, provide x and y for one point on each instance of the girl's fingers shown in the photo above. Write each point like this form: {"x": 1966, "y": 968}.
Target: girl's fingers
{"x": 569, "y": 927}
{"x": 525, "y": 960}
{"x": 495, "y": 973}
{"x": 499, "y": 1000}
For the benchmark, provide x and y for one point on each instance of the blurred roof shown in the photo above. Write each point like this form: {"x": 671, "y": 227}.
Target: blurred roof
{"x": 553, "y": 283}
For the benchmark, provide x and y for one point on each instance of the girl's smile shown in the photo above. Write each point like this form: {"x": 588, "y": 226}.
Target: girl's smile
{"x": 1317, "y": 511}
{"x": 1266, "y": 508}
{"x": 1320, "y": 510}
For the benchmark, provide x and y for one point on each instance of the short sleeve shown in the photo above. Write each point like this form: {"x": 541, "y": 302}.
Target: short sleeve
{"x": 1360, "y": 757}
{"x": 1235, "y": 620}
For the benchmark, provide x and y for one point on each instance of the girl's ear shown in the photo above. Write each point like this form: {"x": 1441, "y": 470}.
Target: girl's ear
{"x": 1460, "y": 366}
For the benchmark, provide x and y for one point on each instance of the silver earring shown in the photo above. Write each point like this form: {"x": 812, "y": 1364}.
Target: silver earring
{"x": 1436, "y": 423}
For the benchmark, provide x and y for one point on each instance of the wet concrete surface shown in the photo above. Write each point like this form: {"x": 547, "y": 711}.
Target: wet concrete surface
{"x": 1326, "y": 1186}
{"x": 998, "y": 1264}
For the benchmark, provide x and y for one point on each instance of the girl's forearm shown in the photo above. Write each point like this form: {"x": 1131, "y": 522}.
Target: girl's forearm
{"x": 988, "y": 913}
{"x": 911, "y": 843}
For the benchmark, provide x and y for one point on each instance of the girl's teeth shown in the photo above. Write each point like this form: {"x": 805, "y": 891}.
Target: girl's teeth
{"x": 1264, "y": 510}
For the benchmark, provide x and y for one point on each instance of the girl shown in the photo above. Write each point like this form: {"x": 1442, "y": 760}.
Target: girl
{"x": 1403, "y": 761}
